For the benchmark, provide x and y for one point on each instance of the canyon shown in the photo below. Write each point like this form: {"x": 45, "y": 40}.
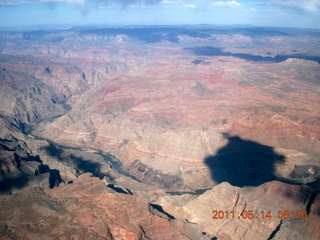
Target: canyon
{"x": 143, "y": 132}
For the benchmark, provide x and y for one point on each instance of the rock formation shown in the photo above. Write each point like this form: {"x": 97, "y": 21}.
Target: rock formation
{"x": 273, "y": 210}
{"x": 86, "y": 209}
{"x": 170, "y": 125}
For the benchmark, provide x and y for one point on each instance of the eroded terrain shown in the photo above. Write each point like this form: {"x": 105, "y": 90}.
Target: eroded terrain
{"x": 155, "y": 115}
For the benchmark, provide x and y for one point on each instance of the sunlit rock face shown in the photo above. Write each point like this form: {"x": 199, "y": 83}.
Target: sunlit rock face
{"x": 171, "y": 114}
{"x": 273, "y": 209}
{"x": 151, "y": 110}
{"x": 86, "y": 209}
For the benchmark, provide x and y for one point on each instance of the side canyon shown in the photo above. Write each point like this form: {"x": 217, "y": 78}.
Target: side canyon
{"x": 145, "y": 132}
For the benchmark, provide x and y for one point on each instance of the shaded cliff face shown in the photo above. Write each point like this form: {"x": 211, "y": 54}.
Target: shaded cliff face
{"x": 166, "y": 105}
{"x": 150, "y": 110}
{"x": 270, "y": 211}
{"x": 87, "y": 210}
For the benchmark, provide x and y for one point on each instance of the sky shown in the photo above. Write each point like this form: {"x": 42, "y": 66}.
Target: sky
{"x": 286, "y": 13}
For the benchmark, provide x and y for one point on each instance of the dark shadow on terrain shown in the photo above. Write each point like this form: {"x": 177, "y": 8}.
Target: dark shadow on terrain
{"x": 84, "y": 165}
{"x": 53, "y": 151}
{"x": 275, "y": 231}
{"x": 314, "y": 185}
{"x": 19, "y": 178}
{"x": 42, "y": 169}
{"x": 311, "y": 201}
{"x": 81, "y": 165}
{"x": 19, "y": 182}
{"x": 212, "y": 51}
{"x": 160, "y": 209}
{"x": 243, "y": 163}
{"x": 200, "y": 61}
{"x": 119, "y": 189}
{"x": 33, "y": 159}
{"x": 54, "y": 178}
{"x": 14, "y": 178}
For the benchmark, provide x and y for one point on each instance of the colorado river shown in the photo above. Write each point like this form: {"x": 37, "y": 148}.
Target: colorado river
{"x": 109, "y": 158}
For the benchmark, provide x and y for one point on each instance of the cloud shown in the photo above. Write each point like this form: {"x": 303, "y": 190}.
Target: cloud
{"x": 167, "y": 2}
{"x": 312, "y": 6}
{"x": 24, "y": 2}
{"x": 13, "y": 2}
{"x": 124, "y": 3}
{"x": 231, "y": 4}
{"x": 189, "y": 6}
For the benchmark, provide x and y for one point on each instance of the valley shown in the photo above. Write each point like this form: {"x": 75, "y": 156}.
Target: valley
{"x": 142, "y": 132}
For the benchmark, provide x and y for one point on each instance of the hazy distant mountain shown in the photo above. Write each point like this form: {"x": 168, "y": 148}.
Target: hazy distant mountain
{"x": 171, "y": 123}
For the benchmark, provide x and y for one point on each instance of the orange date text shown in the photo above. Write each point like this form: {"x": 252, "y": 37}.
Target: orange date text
{"x": 250, "y": 214}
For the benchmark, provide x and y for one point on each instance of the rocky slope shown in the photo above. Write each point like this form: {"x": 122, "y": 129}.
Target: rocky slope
{"x": 227, "y": 212}
{"x": 172, "y": 121}
{"x": 86, "y": 209}
{"x": 154, "y": 116}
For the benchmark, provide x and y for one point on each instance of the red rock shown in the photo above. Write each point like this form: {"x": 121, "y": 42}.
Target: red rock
{"x": 85, "y": 210}
{"x": 293, "y": 209}
{"x": 162, "y": 115}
